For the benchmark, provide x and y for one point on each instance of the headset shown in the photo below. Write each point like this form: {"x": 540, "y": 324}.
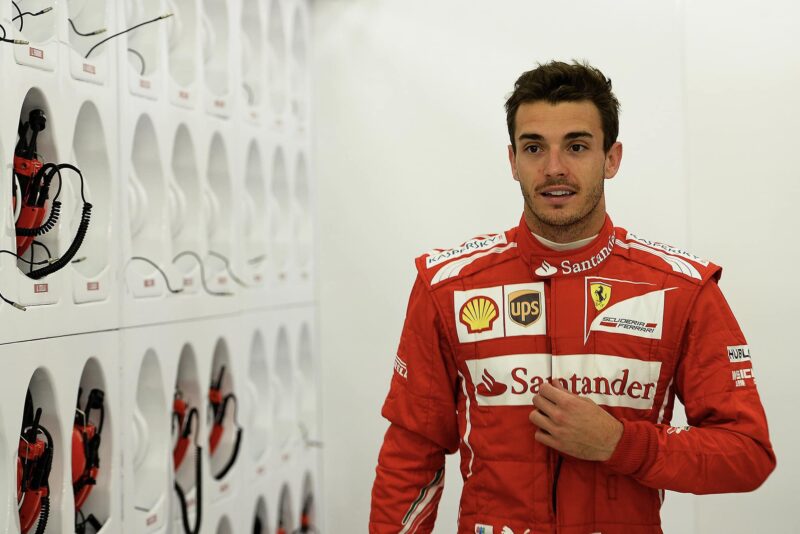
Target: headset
{"x": 31, "y": 191}
{"x": 306, "y": 523}
{"x": 219, "y": 407}
{"x": 182, "y": 417}
{"x": 258, "y": 528}
{"x": 86, "y": 456}
{"x": 34, "y": 462}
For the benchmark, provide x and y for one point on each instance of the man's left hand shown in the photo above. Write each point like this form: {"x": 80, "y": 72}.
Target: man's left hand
{"x": 574, "y": 425}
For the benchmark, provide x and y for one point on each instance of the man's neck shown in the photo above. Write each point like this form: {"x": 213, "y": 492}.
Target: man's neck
{"x": 587, "y": 227}
{"x": 561, "y": 247}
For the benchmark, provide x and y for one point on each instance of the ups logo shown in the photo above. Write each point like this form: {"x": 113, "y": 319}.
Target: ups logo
{"x": 524, "y": 306}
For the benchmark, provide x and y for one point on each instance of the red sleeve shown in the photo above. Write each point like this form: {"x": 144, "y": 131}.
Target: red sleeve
{"x": 726, "y": 447}
{"x": 421, "y": 407}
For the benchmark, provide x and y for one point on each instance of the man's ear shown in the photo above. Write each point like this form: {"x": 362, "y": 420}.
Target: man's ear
{"x": 512, "y": 160}
{"x": 613, "y": 160}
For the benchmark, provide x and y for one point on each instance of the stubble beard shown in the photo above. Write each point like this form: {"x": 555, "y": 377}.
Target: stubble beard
{"x": 560, "y": 224}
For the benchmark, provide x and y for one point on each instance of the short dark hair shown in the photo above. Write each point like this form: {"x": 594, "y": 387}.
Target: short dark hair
{"x": 556, "y": 82}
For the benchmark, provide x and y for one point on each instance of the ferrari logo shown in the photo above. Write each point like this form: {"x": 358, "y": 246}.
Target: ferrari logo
{"x": 601, "y": 294}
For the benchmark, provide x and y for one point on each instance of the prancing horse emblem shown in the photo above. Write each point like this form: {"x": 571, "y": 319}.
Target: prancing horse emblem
{"x": 601, "y": 294}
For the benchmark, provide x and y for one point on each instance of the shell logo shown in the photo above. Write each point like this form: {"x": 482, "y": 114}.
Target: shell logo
{"x": 478, "y": 314}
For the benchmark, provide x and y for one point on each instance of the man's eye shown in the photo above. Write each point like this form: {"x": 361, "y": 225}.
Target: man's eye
{"x": 577, "y": 148}
{"x": 533, "y": 149}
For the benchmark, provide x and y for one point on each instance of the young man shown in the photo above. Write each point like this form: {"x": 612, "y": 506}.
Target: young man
{"x": 551, "y": 355}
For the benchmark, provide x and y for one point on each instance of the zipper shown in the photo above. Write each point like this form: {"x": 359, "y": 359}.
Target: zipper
{"x": 556, "y": 473}
{"x": 552, "y": 327}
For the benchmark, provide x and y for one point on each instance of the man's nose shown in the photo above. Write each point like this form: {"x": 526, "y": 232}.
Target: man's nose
{"x": 555, "y": 164}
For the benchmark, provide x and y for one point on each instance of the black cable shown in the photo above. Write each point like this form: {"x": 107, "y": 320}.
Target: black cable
{"x": 228, "y": 268}
{"x": 49, "y": 255}
{"x": 91, "y": 520}
{"x": 196, "y": 256}
{"x": 160, "y": 17}
{"x": 257, "y": 259}
{"x": 234, "y": 455}
{"x": 12, "y": 303}
{"x": 20, "y": 258}
{"x": 228, "y": 398}
{"x": 198, "y": 498}
{"x": 251, "y": 97}
{"x": 80, "y": 234}
{"x": 141, "y": 58}
{"x": 304, "y": 433}
{"x": 160, "y": 270}
{"x": 22, "y": 15}
{"x": 46, "y": 174}
{"x": 89, "y": 34}
{"x": 11, "y": 41}
{"x": 44, "y": 513}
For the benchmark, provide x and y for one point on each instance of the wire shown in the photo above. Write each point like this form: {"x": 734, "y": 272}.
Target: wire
{"x": 11, "y": 302}
{"x": 141, "y": 58}
{"x": 30, "y": 261}
{"x": 238, "y": 440}
{"x": 197, "y": 257}
{"x": 198, "y": 494}
{"x": 11, "y": 41}
{"x": 16, "y": 5}
{"x": 160, "y": 270}
{"x": 160, "y": 17}
{"x": 304, "y": 433}
{"x": 21, "y": 14}
{"x": 257, "y": 259}
{"x": 228, "y": 268}
{"x": 49, "y": 255}
{"x": 20, "y": 258}
{"x": 89, "y": 34}
{"x": 251, "y": 97}
{"x": 48, "y": 171}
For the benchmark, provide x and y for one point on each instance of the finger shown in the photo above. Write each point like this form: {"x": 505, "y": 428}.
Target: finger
{"x": 541, "y": 420}
{"x": 544, "y": 404}
{"x": 546, "y": 439}
{"x": 554, "y": 394}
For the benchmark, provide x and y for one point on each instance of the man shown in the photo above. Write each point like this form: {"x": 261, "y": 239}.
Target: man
{"x": 551, "y": 355}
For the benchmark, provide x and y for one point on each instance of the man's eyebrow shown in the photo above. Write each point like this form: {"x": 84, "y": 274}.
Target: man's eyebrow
{"x": 569, "y": 136}
{"x": 531, "y": 136}
{"x": 577, "y": 135}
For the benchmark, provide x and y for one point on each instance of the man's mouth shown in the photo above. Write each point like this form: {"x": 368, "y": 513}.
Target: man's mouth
{"x": 558, "y": 193}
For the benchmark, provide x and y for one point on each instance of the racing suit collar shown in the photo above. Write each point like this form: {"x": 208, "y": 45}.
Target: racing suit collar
{"x": 544, "y": 263}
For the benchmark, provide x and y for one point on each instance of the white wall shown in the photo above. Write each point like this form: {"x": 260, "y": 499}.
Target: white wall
{"x": 410, "y": 150}
{"x": 743, "y": 69}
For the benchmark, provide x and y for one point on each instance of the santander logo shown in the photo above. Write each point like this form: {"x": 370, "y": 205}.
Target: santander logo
{"x": 490, "y": 387}
{"x": 546, "y": 269}
{"x": 513, "y": 379}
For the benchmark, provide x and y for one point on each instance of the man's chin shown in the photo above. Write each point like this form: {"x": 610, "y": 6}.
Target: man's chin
{"x": 560, "y": 219}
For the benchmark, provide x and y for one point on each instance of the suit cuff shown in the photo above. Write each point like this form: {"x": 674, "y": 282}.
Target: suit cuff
{"x": 636, "y": 448}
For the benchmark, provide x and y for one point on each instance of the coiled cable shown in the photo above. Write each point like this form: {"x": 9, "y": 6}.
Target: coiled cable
{"x": 63, "y": 261}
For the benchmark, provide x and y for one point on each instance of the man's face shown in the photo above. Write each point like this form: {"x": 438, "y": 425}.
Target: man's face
{"x": 560, "y": 166}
